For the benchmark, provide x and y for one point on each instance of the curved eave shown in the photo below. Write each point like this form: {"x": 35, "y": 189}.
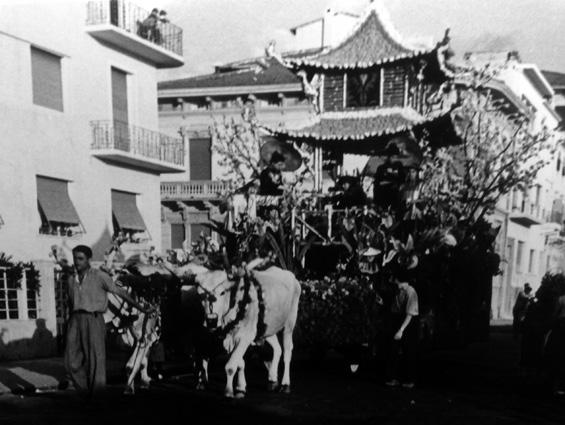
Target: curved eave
{"x": 312, "y": 63}
{"x": 354, "y": 137}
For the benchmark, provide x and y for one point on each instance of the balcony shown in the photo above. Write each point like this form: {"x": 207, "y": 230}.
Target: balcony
{"x": 137, "y": 147}
{"x": 121, "y": 24}
{"x": 526, "y": 215}
{"x": 194, "y": 189}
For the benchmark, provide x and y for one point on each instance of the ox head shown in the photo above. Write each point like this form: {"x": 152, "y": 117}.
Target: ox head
{"x": 213, "y": 287}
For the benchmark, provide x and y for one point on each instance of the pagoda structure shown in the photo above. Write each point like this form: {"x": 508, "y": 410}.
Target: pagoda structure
{"x": 369, "y": 89}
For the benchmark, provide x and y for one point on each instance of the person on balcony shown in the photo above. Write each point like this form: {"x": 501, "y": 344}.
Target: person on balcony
{"x": 148, "y": 28}
{"x": 160, "y": 27}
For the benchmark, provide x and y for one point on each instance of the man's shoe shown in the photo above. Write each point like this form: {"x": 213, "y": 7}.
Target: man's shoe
{"x": 392, "y": 383}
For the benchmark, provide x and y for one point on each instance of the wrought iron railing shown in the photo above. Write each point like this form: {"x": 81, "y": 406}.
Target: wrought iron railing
{"x": 135, "y": 20}
{"x": 194, "y": 189}
{"x": 137, "y": 140}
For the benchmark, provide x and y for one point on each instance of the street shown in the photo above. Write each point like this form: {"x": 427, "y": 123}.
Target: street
{"x": 477, "y": 385}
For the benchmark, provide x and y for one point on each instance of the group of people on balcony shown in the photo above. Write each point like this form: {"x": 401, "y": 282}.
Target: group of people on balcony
{"x": 151, "y": 28}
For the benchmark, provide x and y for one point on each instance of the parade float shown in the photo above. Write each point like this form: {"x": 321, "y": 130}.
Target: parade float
{"x": 440, "y": 149}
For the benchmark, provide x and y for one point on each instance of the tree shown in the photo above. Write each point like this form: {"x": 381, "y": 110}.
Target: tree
{"x": 237, "y": 143}
{"x": 500, "y": 151}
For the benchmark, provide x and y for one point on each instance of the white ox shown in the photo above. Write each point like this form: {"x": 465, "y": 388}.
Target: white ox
{"x": 249, "y": 309}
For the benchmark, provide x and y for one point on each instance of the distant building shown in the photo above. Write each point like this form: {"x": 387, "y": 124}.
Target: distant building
{"x": 82, "y": 153}
{"x": 531, "y": 221}
{"x": 194, "y": 103}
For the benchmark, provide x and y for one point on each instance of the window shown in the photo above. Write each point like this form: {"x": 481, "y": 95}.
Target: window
{"x": 363, "y": 89}
{"x": 540, "y": 263}
{"x": 531, "y": 261}
{"x": 177, "y": 235}
{"x": 200, "y": 156}
{"x": 8, "y": 297}
{"x": 17, "y": 301}
{"x": 57, "y": 212}
{"x": 519, "y": 254}
{"x": 47, "y": 85}
{"x": 126, "y": 217}
{"x": 558, "y": 164}
{"x": 120, "y": 113}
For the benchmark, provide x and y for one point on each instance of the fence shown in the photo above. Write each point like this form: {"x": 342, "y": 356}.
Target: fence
{"x": 194, "y": 189}
{"x": 137, "y": 140}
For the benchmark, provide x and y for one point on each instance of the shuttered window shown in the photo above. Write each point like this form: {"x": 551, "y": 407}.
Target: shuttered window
{"x": 55, "y": 206}
{"x": 120, "y": 110}
{"x": 47, "y": 84}
{"x": 200, "y": 159}
{"x": 125, "y": 211}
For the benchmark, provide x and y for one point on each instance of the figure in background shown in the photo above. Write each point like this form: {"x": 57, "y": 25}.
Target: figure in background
{"x": 389, "y": 178}
{"x": 555, "y": 346}
{"x": 271, "y": 177}
{"x": 524, "y": 298}
{"x": 402, "y": 331}
{"x": 352, "y": 194}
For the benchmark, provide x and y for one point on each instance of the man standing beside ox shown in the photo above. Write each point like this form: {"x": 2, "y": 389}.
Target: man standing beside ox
{"x": 85, "y": 350}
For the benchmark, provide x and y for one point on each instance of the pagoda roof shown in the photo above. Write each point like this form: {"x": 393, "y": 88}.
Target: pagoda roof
{"x": 372, "y": 43}
{"x": 357, "y": 131}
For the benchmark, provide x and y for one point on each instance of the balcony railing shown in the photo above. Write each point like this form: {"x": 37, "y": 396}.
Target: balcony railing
{"x": 135, "y": 20}
{"x": 194, "y": 189}
{"x": 140, "y": 142}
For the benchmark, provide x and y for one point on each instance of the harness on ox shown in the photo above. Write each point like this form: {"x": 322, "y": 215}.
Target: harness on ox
{"x": 212, "y": 318}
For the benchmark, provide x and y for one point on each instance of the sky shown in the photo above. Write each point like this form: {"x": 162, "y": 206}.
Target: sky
{"x": 219, "y": 31}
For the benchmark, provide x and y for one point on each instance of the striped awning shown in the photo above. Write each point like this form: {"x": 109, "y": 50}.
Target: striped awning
{"x": 125, "y": 211}
{"x": 54, "y": 201}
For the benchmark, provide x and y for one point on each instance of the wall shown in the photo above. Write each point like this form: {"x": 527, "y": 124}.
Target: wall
{"x": 41, "y": 141}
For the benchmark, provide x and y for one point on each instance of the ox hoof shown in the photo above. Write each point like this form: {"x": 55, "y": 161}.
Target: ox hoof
{"x": 239, "y": 394}
{"x": 144, "y": 385}
{"x": 228, "y": 394}
{"x": 272, "y": 386}
{"x": 285, "y": 389}
{"x": 129, "y": 391}
{"x": 201, "y": 386}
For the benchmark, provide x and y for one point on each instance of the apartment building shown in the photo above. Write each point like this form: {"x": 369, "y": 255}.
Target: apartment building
{"x": 81, "y": 151}
{"x": 531, "y": 221}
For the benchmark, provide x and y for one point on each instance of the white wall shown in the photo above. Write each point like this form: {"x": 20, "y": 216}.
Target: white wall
{"x": 41, "y": 141}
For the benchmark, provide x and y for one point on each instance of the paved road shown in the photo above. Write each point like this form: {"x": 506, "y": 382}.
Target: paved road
{"x": 479, "y": 385}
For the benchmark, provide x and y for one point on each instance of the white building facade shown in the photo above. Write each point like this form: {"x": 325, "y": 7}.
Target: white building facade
{"x": 82, "y": 155}
{"x": 531, "y": 221}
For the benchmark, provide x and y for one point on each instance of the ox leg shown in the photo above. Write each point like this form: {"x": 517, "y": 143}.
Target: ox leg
{"x": 287, "y": 348}
{"x": 233, "y": 364}
{"x": 202, "y": 374}
{"x": 145, "y": 379}
{"x": 273, "y": 365}
{"x": 131, "y": 372}
{"x": 241, "y": 385}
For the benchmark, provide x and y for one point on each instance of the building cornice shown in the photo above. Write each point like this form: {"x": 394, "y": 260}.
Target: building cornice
{"x": 229, "y": 91}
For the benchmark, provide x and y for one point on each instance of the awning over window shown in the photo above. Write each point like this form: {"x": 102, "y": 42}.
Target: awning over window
{"x": 54, "y": 201}
{"x": 125, "y": 211}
